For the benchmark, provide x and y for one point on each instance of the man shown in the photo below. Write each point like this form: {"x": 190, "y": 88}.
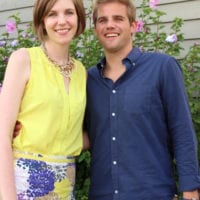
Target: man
{"x": 137, "y": 116}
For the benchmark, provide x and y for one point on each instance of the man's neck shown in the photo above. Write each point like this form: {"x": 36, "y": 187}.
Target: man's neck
{"x": 114, "y": 67}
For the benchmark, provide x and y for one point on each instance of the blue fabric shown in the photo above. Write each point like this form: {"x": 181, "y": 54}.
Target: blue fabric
{"x": 137, "y": 126}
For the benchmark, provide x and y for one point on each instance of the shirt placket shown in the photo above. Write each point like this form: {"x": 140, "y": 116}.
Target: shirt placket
{"x": 113, "y": 139}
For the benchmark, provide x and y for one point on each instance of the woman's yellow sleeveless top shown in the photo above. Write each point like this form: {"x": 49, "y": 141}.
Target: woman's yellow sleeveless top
{"x": 51, "y": 117}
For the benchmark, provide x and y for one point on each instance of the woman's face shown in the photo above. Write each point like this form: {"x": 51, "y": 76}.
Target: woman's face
{"x": 61, "y": 22}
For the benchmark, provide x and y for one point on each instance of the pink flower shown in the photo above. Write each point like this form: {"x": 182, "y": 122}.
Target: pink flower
{"x": 171, "y": 38}
{"x": 146, "y": 30}
{"x": 10, "y": 27}
{"x": 153, "y": 3}
{"x": 196, "y": 44}
{"x": 140, "y": 25}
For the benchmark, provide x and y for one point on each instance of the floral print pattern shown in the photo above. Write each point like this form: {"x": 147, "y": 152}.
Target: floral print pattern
{"x": 36, "y": 179}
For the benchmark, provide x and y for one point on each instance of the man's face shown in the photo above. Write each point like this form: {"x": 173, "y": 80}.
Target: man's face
{"x": 113, "y": 28}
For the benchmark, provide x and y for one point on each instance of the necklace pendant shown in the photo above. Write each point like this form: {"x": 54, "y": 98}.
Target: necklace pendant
{"x": 65, "y": 69}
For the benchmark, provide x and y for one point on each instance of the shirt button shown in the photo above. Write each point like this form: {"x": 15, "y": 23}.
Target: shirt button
{"x": 114, "y": 162}
{"x": 133, "y": 64}
{"x": 116, "y": 191}
{"x": 114, "y": 91}
{"x": 113, "y": 138}
{"x": 113, "y": 114}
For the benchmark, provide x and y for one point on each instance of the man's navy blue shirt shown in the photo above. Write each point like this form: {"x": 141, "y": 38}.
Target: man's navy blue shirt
{"x": 137, "y": 127}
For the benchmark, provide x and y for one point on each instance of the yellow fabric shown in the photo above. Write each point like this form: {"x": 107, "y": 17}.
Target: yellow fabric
{"x": 51, "y": 118}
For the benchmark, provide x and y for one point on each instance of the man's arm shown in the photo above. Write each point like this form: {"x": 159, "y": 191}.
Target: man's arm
{"x": 86, "y": 142}
{"x": 181, "y": 129}
{"x": 17, "y": 128}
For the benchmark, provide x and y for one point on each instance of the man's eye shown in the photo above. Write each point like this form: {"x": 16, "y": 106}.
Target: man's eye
{"x": 119, "y": 19}
{"x": 101, "y": 20}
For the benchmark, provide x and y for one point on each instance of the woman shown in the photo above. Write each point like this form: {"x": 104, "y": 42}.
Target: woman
{"x": 44, "y": 89}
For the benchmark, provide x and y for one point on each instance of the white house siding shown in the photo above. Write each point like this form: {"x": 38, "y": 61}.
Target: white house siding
{"x": 189, "y": 11}
{"x": 10, "y": 7}
{"x": 23, "y": 7}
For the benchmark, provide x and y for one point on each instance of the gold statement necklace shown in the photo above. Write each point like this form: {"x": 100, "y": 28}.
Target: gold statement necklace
{"x": 65, "y": 69}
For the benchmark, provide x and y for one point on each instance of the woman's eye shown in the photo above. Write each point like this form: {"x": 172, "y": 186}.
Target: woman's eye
{"x": 69, "y": 12}
{"x": 51, "y": 14}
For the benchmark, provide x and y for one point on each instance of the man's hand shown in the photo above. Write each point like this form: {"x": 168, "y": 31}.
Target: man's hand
{"x": 191, "y": 194}
{"x": 86, "y": 142}
{"x": 17, "y": 128}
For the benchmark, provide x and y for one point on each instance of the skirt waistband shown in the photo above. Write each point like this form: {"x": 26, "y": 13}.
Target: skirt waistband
{"x": 50, "y": 158}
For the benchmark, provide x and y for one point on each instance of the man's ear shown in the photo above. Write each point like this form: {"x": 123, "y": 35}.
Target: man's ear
{"x": 133, "y": 27}
{"x": 95, "y": 31}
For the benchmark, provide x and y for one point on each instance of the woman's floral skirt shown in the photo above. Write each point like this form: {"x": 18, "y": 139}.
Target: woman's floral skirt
{"x": 38, "y": 179}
